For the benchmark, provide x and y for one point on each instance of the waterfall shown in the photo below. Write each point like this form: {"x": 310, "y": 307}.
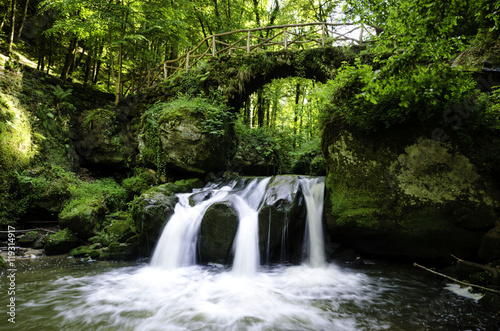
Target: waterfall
{"x": 178, "y": 242}
{"x": 314, "y": 189}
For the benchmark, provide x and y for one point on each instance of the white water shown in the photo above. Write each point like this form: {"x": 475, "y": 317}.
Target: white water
{"x": 314, "y": 189}
{"x": 175, "y": 294}
{"x": 177, "y": 244}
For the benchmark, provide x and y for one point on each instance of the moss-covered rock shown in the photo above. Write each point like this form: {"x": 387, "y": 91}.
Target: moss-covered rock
{"x": 192, "y": 136}
{"x": 61, "y": 242}
{"x": 91, "y": 251}
{"x": 121, "y": 227}
{"x": 28, "y": 239}
{"x": 394, "y": 193}
{"x": 154, "y": 207}
{"x": 217, "y": 231}
{"x": 82, "y": 217}
{"x": 84, "y": 214}
{"x": 120, "y": 251}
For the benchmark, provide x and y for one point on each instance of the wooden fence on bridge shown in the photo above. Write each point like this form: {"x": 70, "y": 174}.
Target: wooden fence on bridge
{"x": 246, "y": 41}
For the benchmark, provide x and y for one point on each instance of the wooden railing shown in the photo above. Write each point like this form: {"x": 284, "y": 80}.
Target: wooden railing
{"x": 246, "y": 41}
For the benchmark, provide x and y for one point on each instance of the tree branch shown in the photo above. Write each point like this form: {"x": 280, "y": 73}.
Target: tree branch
{"x": 456, "y": 280}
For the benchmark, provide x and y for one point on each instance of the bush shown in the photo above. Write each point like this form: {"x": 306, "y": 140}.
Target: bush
{"x": 373, "y": 100}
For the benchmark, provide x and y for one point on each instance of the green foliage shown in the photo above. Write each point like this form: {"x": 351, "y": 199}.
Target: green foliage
{"x": 375, "y": 99}
{"x": 139, "y": 183}
{"x": 308, "y": 158}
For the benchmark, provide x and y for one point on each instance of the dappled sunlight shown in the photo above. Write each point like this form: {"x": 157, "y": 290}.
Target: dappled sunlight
{"x": 17, "y": 145}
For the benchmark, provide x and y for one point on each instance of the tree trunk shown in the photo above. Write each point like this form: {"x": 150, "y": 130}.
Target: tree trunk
{"x": 88, "y": 65}
{"x": 120, "y": 62}
{"x": 41, "y": 53}
{"x": 69, "y": 58}
{"x": 13, "y": 24}
{"x": 296, "y": 113}
{"x": 260, "y": 108}
{"x": 3, "y": 20}
{"x": 24, "y": 18}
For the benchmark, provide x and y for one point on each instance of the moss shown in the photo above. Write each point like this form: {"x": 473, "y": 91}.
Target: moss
{"x": 84, "y": 213}
{"x": 3, "y": 264}
{"x": 17, "y": 142}
{"x": 139, "y": 183}
{"x": 428, "y": 171}
{"x": 28, "y": 239}
{"x": 61, "y": 242}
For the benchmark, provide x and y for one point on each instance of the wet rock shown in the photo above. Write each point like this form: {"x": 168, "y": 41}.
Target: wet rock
{"x": 28, "y": 239}
{"x": 154, "y": 207}
{"x": 282, "y": 220}
{"x": 82, "y": 218}
{"x": 217, "y": 231}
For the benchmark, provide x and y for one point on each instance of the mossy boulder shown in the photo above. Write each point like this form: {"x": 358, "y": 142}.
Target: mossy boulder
{"x": 190, "y": 136}
{"x": 217, "y": 231}
{"x": 154, "y": 207}
{"x": 84, "y": 214}
{"x": 61, "y": 242}
{"x": 282, "y": 220}
{"x": 28, "y": 239}
{"x": 91, "y": 251}
{"x": 120, "y": 251}
{"x": 397, "y": 193}
{"x": 82, "y": 217}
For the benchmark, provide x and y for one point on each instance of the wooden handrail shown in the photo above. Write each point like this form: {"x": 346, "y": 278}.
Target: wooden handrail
{"x": 290, "y": 37}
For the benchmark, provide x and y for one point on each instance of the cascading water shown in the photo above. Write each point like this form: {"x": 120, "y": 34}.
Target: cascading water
{"x": 314, "y": 189}
{"x": 173, "y": 293}
{"x": 177, "y": 244}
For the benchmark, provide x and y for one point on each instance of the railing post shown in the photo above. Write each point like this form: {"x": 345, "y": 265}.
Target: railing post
{"x": 187, "y": 62}
{"x": 214, "y": 50}
{"x": 248, "y": 42}
{"x": 323, "y": 32}
{"x": 285, "y": 38}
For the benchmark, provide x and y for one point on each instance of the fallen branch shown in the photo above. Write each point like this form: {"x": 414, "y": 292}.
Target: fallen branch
{"x": 456, "y": 280}
{"x": 493, "y": 270}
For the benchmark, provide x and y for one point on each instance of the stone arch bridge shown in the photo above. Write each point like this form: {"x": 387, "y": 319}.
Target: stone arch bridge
{"x": 238, "y": 63}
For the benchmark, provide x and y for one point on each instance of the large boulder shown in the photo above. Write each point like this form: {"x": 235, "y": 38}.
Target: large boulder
{"x": 217, "y": 231}
{"x": 187, "y": 136}
{"x": 282, "y": 220}
{"x": 398, "y": 194}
